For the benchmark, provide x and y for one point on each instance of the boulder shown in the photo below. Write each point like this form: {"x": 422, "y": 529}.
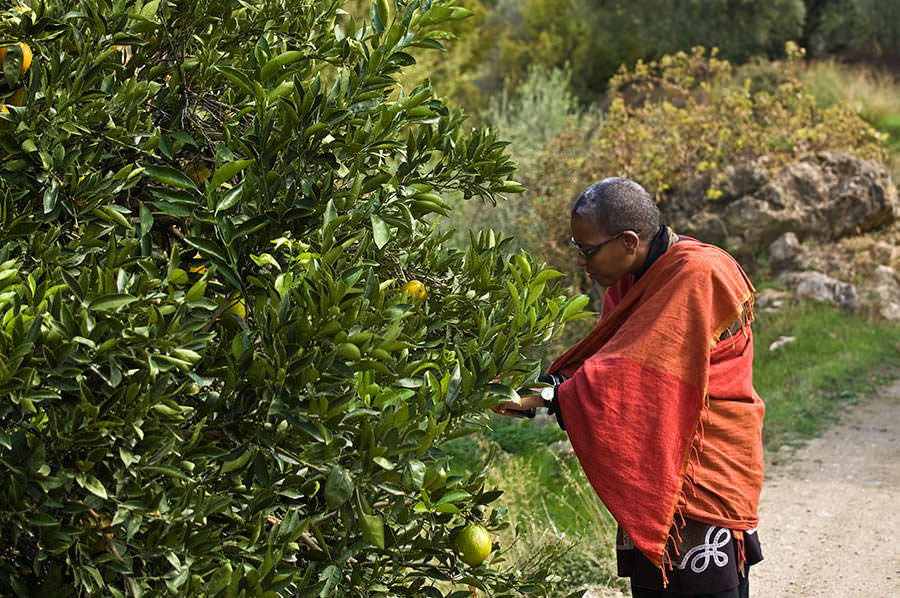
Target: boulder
{"x": 822, "y": 197}
{"x": 830, "y": 221}
{"x": 784, "y": 252}
{"x": 884, "y": 293}
{"x": 821, "y": 287}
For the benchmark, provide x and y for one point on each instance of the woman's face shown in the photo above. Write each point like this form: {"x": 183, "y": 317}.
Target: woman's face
{"x": 605, "y": 258}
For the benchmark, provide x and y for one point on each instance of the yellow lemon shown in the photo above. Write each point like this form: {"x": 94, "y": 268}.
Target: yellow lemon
{"x": 416, "y": 291}
{"x": 472, "y": 544}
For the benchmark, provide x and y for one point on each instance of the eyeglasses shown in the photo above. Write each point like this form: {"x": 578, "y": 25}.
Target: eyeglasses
{"x": 589, "y": 251}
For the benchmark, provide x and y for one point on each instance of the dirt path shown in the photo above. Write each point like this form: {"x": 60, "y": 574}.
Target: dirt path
{"x": 830, "y": 516}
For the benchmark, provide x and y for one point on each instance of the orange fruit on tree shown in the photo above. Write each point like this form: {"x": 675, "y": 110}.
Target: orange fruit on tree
{"x": 472, "y": 544}
{"x": 237, "y": 308}
{"x": 26, "y": 56}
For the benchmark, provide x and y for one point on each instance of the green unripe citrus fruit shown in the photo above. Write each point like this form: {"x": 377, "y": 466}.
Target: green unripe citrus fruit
{"x": 472, "y": 544}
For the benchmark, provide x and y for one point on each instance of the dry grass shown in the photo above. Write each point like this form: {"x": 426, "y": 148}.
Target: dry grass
{"x": 563, "y": 521}
{"x": 873, "y": 93}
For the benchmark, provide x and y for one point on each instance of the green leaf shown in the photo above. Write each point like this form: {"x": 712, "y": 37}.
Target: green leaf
{"x": 279, "y": 92}
{"x": 169, "y": 176}
{"x": 285, "y": 58}
{"x": 111, "y": 301}
{"x": 544, "y": 276}
{"x": 94, "y": 486}
{"x": 573, "y": 307}
{"x": 372, "y": 527}
{"x": 453, "y": 496}
{"x": 453, "y": 386}
{"x": 331, "y": 577}
{"x": 197, "y": 290}
{"x": 146, "y": 220}
{"x": 231, "y": 198}
{"x": 380, "y": 15}
{"x": 338, "y": 487}
{"x": 207, "y": 247}
{"x": 227, "y": 171}
{"x": 237, "y": 78}
{"x": 50, "y": 196}
{"x": 380, "y": 231}
{"x": 237, "y": 462}
{"x": 148, "y": 11}
{"x": 384, "y": 463}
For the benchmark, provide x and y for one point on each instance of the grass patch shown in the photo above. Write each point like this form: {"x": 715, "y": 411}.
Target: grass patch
{"x": 874, "y": 94}
{"x": 552, "y": 508}
{"x": 808, "y": 382}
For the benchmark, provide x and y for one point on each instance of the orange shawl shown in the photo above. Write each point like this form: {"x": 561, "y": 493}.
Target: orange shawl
{"x": 663, "y": 418}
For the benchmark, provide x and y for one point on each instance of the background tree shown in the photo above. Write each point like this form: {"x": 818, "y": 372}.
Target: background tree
{"x": 855, "y": 27}
{"x": 218, "y": 375}
{"x": 593, "y": 38}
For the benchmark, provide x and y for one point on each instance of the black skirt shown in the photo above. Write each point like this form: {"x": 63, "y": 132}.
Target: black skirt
{"x": 702, "y": 559}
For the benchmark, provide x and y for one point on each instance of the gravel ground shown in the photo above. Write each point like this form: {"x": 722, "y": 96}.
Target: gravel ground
{"x": 830, "y": 515}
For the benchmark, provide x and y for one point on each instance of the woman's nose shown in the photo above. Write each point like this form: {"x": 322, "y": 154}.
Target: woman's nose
{"x": 582, "y": 261}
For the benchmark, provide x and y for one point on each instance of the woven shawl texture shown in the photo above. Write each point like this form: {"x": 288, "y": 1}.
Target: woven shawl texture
{"x": 636, "y": 402}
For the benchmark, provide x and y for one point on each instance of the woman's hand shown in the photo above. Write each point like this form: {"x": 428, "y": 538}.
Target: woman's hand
{"x": 513, "y": 409}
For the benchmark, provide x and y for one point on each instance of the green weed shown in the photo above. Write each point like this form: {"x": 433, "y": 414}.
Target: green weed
{"x": 834, "y": 358}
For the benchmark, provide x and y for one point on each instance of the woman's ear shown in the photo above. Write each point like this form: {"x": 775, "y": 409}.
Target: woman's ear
{"x": 631, "y": 240}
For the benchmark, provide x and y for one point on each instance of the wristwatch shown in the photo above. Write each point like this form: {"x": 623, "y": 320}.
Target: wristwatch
{"x": 548, "y": 393}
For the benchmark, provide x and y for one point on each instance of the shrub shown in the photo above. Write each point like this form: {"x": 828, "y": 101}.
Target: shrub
{"x": 529, "y": 116}
{"x": 213, "y": 381}
{"x": 676, "y": 124}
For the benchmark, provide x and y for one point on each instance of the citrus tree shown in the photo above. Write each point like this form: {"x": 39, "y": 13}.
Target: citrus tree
{"x": 232, "y": 336}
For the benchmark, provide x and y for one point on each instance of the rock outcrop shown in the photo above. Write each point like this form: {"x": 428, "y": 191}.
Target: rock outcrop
{"x": 822, "y": 197}
{"x": 830, "y": 223}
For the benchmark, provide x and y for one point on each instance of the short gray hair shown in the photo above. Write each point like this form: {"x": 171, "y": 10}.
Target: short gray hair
{"x": 618, "y": 204}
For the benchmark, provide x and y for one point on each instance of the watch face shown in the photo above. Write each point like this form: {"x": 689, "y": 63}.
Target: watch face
{"x": 547, "y": 393}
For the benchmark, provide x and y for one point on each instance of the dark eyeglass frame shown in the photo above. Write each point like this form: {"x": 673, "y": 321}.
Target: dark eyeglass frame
{"x": 589, "y": 251}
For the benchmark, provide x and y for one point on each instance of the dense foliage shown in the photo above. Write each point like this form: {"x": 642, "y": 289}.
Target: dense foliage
{"x": 214, "y": 378}
{"x": 593, "y": 38}
{"x": 856, "y": 26}
{"x": 687, "y": 116}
